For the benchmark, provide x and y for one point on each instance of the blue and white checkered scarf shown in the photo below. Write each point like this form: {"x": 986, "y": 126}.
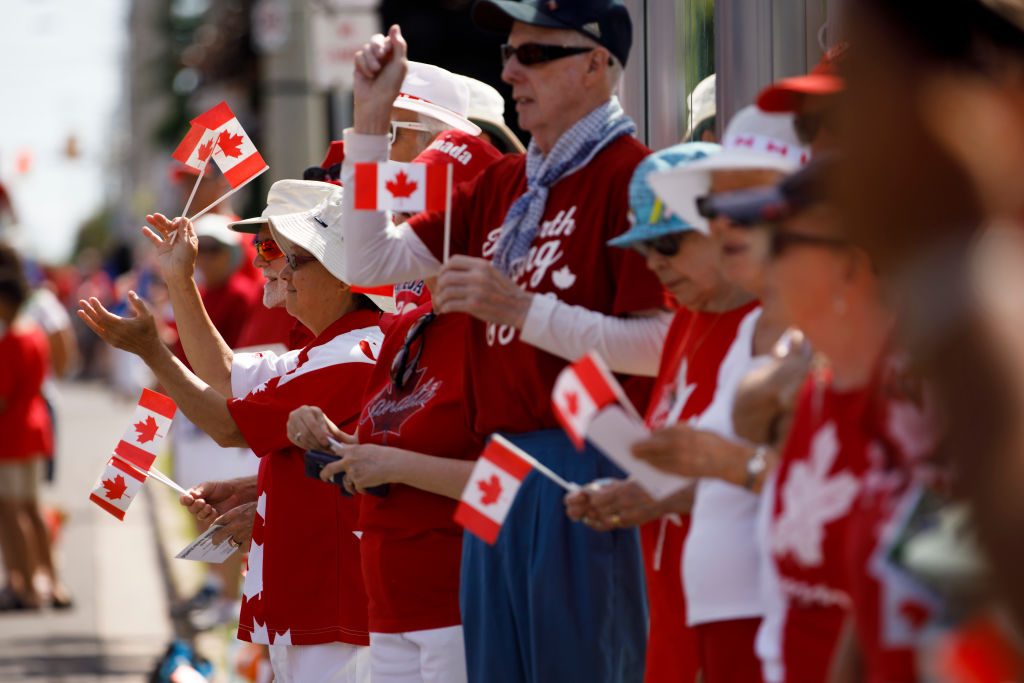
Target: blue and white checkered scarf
{"x": 574, "y": 150}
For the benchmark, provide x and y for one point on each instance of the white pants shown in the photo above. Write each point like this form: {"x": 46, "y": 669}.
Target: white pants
{"x": 433, "y": 656}
{"x": 327, "y": 663}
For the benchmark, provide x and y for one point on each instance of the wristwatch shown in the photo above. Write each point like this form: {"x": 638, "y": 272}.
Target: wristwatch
{"x": 756, "y": 466}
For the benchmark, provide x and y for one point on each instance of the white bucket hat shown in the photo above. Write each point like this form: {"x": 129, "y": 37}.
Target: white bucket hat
{"x": 487, "y": 110}
{"x": 318, "y": 230}
{"x": 754, "y": 140}
{"x": 284, "y": 197}
{"x": 215, "y": 226}
{"x": 437, "y": 93}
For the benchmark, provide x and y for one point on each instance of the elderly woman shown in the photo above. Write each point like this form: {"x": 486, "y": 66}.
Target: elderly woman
{"x": 303, "y": 594}
{"x": 721, "y": 566}
{"x": 688, "y": 264}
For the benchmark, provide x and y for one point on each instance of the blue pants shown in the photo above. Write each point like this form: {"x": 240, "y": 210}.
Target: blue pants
{"x": 553, "y": 601}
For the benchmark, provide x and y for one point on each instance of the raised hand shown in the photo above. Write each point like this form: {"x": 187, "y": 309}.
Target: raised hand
{"x": 176, "y": 246}
{"x": 137, "y": 334}
{"x": 380, "y": 68}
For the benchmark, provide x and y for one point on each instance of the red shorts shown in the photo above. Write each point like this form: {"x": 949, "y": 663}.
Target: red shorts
{"x": 727, "y": 651}
{"x": 671, "y": 644}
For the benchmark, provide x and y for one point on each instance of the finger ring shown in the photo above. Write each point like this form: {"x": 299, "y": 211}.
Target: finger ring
{"x": 234, "y": 543}
{"x": 615, "y": 520}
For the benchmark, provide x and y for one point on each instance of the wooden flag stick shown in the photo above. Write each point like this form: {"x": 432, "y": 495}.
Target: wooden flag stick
{"x": 155, "y": 474}
{"x": 537, "y": 465}
{"x": 195, "y": 186}
{"x": 229, "y": 193}
{"x": 448, "y": 215}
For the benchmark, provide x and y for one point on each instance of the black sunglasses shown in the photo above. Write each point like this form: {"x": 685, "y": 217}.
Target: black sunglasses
{"x": 406, "y": 360}
{"x": 666, "y": 245}
{"x": 782, "y": 240}
{"x": 322, "y": 174}
{"x": 530, "y": 54}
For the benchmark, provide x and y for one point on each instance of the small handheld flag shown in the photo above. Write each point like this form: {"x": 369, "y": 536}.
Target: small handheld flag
{"x": 127, "y": 470}
{"x": 581, "y": 391}
{"x": 405, "y": 188}
{"x": 493, "y": 485}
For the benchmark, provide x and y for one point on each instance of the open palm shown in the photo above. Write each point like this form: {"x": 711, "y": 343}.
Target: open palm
{"x": 176, "y": 245}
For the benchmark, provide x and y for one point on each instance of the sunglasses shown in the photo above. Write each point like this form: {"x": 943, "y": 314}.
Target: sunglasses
{"x": 295, "y": 262}
{"x": 322, "y": 174}
{"x": 267, "y": 249}
{"x": 666, "y": 245}
{"x": 782, "y": 240}
{"x": 529, "y": 54}
{"x": 406, "y": 360}
{"x": 407, "y": 125}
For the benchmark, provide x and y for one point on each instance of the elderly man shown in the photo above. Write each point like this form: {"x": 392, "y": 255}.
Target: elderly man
{"x": 551, "y": 600}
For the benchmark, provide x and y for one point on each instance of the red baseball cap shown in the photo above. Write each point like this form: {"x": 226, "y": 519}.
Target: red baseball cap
{"x": 784, "y": 95}
{"x": 468, "y": 155}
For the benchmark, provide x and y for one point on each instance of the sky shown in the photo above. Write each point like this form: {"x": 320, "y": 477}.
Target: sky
{"x": 61, "y": 74}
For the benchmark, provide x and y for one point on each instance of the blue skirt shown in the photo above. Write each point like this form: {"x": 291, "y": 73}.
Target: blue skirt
{"x": 553, "y": 601}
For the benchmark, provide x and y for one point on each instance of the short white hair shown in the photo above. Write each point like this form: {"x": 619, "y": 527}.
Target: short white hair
{"x": 614, "y": 66}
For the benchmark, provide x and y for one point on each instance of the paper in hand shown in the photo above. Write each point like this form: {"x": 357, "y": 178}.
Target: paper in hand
{"x": 614, "y": 432}
{"x": 203, "y": 548}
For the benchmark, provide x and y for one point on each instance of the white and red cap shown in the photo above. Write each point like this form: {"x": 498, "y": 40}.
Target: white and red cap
{"x": 754, "y": 140}
{"x": 437, "y": 93}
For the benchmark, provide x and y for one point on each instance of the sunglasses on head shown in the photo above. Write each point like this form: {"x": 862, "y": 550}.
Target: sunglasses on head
{"x": 529, "y": 54}
{"x": 783, "y": 240}
{"x": 267, "y": 249}
{"x": 407, "y": 358}
{"x": 295, "y": 261}
{"x": 322, "y": 174}
{"x": 666, "y": 245}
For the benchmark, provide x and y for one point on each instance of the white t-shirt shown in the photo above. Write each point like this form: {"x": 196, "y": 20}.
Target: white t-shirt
{"x": 721, "y": 563}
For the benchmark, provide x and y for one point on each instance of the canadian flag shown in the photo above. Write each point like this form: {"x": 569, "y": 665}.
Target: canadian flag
{"x": 148, "y": 429}
{"x": 217, "y": 134}
{"x": 406, "y": 188}
{"x": 117, "y": 487}
{"x": 492, "y": 488}
{"x": 581, "y": 391}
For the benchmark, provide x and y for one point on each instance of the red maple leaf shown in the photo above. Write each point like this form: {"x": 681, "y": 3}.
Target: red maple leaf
{"x": 572, "y": 402}
{"x": 146, "y": 430}
{"x": 400, "y": 186}
{"x": 491, "y": 489}
{"x": 115, "y": 487}
{"x": 206, "y": 149}
{"x": 229, "y": 144}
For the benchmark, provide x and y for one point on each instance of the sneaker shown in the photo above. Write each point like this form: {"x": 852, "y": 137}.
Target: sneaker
{"x": 220, "y": 611}
{"x": 202, "y": 599}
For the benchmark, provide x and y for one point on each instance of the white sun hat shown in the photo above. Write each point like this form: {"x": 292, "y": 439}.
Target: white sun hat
{"x": 754, "y": 140}
{"x": 318, "y": 231}
{"x": 487, "y": 110}
{"x": 215, "y": 226}
{"x": 284, "y": 197}
{"x": 437, "y": 93}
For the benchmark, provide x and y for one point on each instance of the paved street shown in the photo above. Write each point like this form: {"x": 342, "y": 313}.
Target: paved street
{"x": 119, "y": 625}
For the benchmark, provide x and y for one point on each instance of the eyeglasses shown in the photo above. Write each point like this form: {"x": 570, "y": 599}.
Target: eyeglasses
{"x": 322, "y": 174}
{"x": 406, "y": 360}
{"x": 529, "y": 54}
{"x": 294, "y": 261}
{"x": 666, "y": 245}
{"x": 782, "y": 240}
{"x": 267, "y": 249}
{"x": 408, "y": 125}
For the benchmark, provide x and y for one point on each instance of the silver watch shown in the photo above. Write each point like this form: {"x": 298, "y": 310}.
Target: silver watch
{"x": 756, "y": 466}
